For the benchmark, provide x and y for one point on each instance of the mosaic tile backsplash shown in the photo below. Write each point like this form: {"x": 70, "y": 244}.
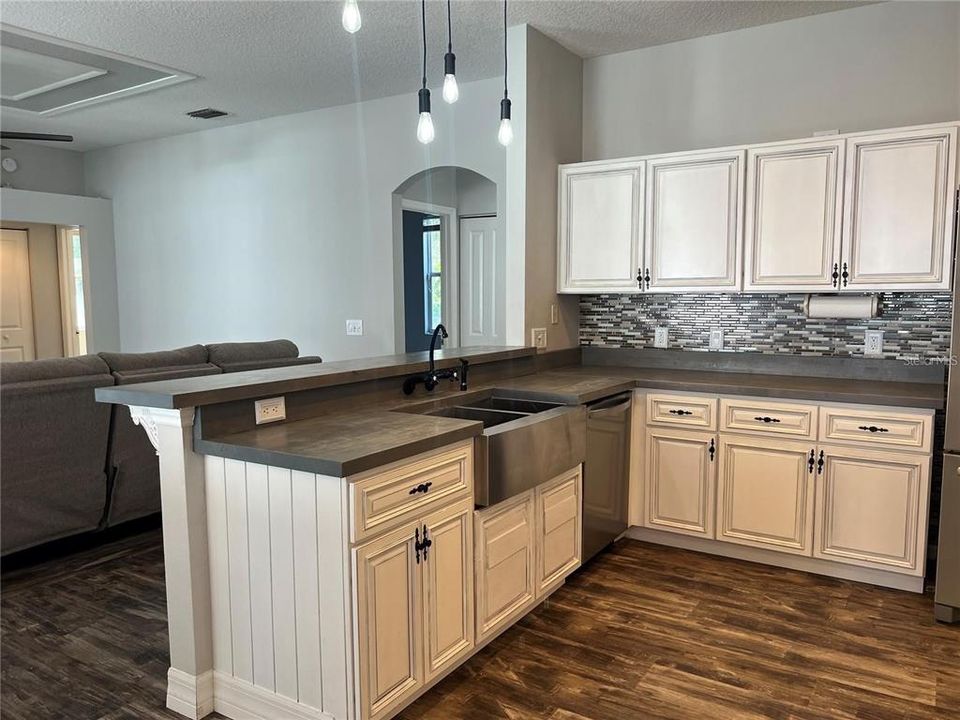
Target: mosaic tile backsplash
{"x": 915, "y": 325}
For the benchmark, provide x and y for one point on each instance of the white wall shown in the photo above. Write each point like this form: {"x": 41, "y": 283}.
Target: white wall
{"x": 44, "y": 169}
{"x": 871, "y": 67}
{"x": 280, "y": 227}
{"x": 95, "y": 218}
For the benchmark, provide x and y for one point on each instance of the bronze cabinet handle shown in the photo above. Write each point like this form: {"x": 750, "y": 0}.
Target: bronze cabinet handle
{"x": 811, "y": 462}
{"x": 873, "y": 428}
{"x": 820, "y": 462}
{"x": 712, "y": 449}
{"x": 766, "y": 419}
{"x": 680, "y": 412}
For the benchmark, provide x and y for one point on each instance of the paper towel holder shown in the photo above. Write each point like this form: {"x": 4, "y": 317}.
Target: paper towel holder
{"x": 847, "y": 307}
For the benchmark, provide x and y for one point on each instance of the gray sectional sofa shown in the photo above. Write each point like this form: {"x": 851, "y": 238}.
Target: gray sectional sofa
{"x": 70, "y": 465}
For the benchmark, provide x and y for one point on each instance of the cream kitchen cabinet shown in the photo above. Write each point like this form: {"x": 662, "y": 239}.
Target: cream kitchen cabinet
{"x": 794, "y": 203}
{"x": 871, "y": 508}
{"x": 506, "y": 563}
{"x": 558, "y": 529}
{"x": 899, "y": 205}
{"x": 681, "y": 480}
{"x": 414, "y": 606}
{"x": 694, "y": 222}
{"x": 600, "y": 227}
{"x": 765, "y": 492}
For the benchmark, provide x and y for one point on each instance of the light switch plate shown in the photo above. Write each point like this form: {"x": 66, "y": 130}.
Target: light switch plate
{"x": 270, "y": 410}
{"x": 716, "y": 339}
{"x": 538, "y": 336}
{"x": 660, "y": 337}
{"x": 354, "y": 327}
{"x": 554, "y": 314}
{"x": 873, "y": 342}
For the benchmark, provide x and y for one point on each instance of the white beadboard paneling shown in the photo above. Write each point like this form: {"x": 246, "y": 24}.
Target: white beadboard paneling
{"x": 261, "y": 581}
{"x": 219, "y": 563}
{"x": 306, "y": 588}
{"x": 238, "y": 541}
{"x": 283, "y": 574}
{"x": 336, "y": 621}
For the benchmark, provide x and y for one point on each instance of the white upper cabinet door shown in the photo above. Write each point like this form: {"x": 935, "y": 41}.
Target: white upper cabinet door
{"x": 899, "y": 198}
{"x": 694, "y": 222}
{"x": 793, "y": 217}
{"x": 599, "y": 227}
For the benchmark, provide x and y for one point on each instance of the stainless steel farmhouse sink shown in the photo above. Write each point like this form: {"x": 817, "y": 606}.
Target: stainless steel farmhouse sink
{"x": 524, "y": 443}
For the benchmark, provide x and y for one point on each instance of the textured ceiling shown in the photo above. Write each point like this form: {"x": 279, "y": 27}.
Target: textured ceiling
{"x": 258, "y": 59}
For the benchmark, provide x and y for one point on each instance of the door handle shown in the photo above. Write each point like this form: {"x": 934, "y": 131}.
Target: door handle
{"x": 426, "y": 544}
{"x": 766, "y": 419}
{"x": 712, "y": 449}
{"x": 820, "y": 464}
{"x": 681, "y": 413}
{"x": 417, "y": 545}
{"x": 811, "y": 462}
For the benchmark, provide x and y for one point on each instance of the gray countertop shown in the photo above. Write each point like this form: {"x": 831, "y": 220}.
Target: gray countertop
{"x": 341, "y": 444}
{"x": 214, "y": 389}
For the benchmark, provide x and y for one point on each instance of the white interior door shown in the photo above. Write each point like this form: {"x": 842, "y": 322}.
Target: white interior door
{"x": 478, "y": 282}
{"x": 16, "y": 308}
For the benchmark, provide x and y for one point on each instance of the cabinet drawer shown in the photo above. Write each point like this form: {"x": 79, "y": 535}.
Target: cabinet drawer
{"x": 691, "y": 411}
{"x": 875, "y": 426}
{"x": 385, "y": 497}
{"x": 769, "y": 418}
{"x": 559, "y": 527}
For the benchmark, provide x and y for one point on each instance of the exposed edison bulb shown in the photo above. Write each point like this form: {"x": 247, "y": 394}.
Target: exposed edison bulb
{"x": 451, "y": 91}
{"x": 425, "y": 128}
{"x": 505, "y": 134}
{"x": 351, "y": 16}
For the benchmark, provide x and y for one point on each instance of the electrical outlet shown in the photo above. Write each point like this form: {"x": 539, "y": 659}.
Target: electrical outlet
{"x": 270, "y": 410}
{"x": 716, "y": 339}
{"x": 873, "y": 342}
{"x": 554, "y": 314}
{"x": 660, "y": 337}
{"x": 354, "y": 327}
{"x": 538, "y": 336}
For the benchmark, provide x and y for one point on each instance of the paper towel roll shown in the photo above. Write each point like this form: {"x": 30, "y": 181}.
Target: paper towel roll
{"x": 841, "y": 306}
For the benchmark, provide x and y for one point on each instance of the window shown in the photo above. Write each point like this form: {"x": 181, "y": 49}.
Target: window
{"x": 433, "y": 275}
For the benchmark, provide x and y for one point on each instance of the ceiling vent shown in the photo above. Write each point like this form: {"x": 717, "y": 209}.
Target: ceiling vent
{"x": 207, "y": 114}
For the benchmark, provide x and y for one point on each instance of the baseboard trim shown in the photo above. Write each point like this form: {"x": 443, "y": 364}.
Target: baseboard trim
{"x": 241, "y": 700}
{"x": 894, "y": 580}
{"x": 190, "y": 695}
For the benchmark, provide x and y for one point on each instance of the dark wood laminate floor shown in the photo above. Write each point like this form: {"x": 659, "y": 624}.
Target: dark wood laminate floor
{"x": 642, "y": 632}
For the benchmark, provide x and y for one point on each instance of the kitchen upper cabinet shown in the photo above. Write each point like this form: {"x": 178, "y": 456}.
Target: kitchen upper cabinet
{"x": 900, "y": 193}
{"x": 389, "y": 621}
{"x": 600, "y": 227}
{"x": 871, "y": 508}
{"x": 505, "y": 560}
{"x": 794, "y": 202}
{"x": 448, "y": 587}
{"x": 680, "y": 481}
{"x": 694, "y": 222}
{"x": 558, "y": 528}
{"x": 765, "y": 493}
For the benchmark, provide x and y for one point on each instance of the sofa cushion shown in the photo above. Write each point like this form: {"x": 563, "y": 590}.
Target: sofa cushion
{"x": 124, "y": 362}
{"x": 235, "y": 352}
{"x": 53, "y": 369}
{"x": 130, "y": 377}
{"x": 264, "y": 364}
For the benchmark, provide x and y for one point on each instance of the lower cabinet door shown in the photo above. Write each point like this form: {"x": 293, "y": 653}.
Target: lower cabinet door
{"x": 680, "y": 481}
{"x": 868, "y": 508}
{"x": 448, "y": 586}
{"x": 765, "y": 493}
{"x": 505, "y": 572}
{"x": 389, "y": 612}
{"x": 559, "y": 528}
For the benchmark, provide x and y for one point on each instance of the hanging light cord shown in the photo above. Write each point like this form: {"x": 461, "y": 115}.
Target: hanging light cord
{"x": 505, "y": 48}
{"x": 423, "y": 18}
{"x": 449, "y": 30}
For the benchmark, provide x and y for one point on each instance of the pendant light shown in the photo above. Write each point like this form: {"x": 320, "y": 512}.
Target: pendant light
{"x": 450, "y": 89}
{"x": 505, "y": 134}
{"x": 425, "y": 124}
{"x": 351, "y": 16}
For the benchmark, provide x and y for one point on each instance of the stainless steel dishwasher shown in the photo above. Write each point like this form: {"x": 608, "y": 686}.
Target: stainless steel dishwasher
{"x": 606, "y": 472}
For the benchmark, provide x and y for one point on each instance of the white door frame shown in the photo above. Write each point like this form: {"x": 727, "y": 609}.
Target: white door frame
{"x": 451, "y": 263}
{"x": 68, "y": 313}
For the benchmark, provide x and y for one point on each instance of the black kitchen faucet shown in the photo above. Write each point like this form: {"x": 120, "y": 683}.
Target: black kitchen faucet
{"x": 432, "y": 377}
